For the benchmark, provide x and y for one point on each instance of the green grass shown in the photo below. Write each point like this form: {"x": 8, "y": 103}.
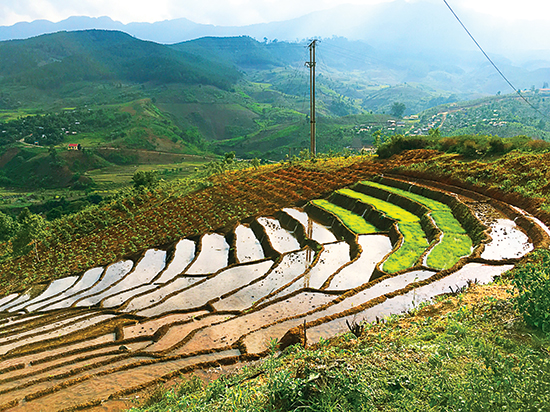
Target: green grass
{"x": 354, "y": 222}
{"x": 455, "y": 242}
{"x": 465, "y": 353}
{"x": 414, "y": 242}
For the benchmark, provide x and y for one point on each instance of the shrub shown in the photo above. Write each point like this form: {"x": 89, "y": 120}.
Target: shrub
{"x": 143, "y": 179}
{"x": 532, "y": 279}
{"x": 400, "y": 143}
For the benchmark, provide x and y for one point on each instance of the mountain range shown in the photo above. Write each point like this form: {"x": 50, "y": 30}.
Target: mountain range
{"x": 398, "y": 24}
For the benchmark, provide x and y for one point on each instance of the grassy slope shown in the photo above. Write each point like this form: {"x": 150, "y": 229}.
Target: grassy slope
{"x": 147, "y": 129}
{"x": 467, "y": 352}
{"x": 504, "y": 116}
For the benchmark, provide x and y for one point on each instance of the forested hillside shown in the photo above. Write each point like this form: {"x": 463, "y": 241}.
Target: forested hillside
{"x": 52, "y": 61}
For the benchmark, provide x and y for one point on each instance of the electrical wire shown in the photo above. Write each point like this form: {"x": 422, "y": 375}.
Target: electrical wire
{"x": 517, "y": 91}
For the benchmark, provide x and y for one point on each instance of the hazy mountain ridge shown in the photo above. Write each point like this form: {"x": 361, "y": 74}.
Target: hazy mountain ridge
{"x": 53, "y": 60}
{"x": 394, "y": 42}
{"x": 398, "y": 24}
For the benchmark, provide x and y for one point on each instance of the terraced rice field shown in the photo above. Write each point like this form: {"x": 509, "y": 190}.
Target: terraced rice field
{"x": 365, "y": 252}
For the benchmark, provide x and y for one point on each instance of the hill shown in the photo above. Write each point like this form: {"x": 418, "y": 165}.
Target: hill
{"x": 501, "y": 115}
{"x": 52, "y": 61}
{"x": 225, "y": 94}
{"x": 34, "y": 155}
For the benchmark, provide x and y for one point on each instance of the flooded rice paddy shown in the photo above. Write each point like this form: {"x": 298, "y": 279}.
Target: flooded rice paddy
{"x": 223, "y": 297}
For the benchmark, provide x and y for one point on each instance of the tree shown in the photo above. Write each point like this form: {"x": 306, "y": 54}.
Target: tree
{"x": 377, "y": 135}
{"x": 255, "y": 163}
{"x": 8, "y": 227}
{"x": 229, "y": 158}
{"x": 30, "y": 230}
{"x": 397, "y": 109}
{"x": 434, "y": 133}
{"x": 143, "y": 179}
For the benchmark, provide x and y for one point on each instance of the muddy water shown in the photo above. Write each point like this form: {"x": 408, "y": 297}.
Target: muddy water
{"x": 248, "y": 246}
{"x": 88, "y": 279}
{"x": 21, "y": 299}
{"x": 99, "y": 388}
{"x": 375, "y": 247}
{"x": 227, "y": 333}
{"x": 52, "y": 352}
{"x": 156, "y": 295}
{"x": 333, "y": 257}
{"x": 292, "y": 265}
{"x": 62, "y": 371}
{"x": 11, "y": 323}
{"x": 145, "y": 271}
{"x": 58, "y": 365}
{"x": 123, "y": 297}
{"x": 56, "y": 287}
{"x": 74, "y": 327}
{"x": 183, "y": 256}
{"x": 281, "y": 239}
{"x": 25, "y": 331}
{"x": 40, "y": 404}
{"x": 245, "y": 288}
{"x": 314, "y": 230}
{"x": 7, "y": 299}
{"x": 508, "y": 241}
{"x": 177, "y": 333}
{"x": 537, "y": 221}
{"x": 198, "y": 295}
{"x": 114, "y": 273}
{"x": 259, "y": 341}
{"x": 399, "y": 304}
{"x": 148, "y": 328}
{"x": 214, "y": 255}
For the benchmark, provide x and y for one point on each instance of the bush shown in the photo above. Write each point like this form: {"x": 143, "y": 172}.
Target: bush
{"x": 400, "y": 143}
{"x": 144, "y": 179}
{"x": 532, "y": 279}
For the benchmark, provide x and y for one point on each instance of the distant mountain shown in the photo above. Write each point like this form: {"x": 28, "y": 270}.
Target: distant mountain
{"x": 53, "y": 60}
{"x": 399, "y": 25}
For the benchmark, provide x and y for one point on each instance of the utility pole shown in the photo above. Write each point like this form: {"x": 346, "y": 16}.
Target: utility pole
{"x": 311, "y": 64}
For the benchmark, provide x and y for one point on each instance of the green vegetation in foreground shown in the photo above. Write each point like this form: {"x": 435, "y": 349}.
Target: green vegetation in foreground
{"x": 414, "y": 242}
{"x": 532, "y": 280}
{"x": 354, "y": 222}
{"x": 455, "y": 242}
{"x": 469, "y": 352}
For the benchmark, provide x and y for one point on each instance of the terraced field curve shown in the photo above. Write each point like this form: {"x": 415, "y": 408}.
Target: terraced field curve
{"x": 377, "y": 248}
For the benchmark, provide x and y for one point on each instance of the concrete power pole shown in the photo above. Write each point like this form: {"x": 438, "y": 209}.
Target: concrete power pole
{"x": 311, "y": 64}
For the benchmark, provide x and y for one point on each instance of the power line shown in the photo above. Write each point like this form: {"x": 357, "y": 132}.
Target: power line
{"x": 517, "y": 91}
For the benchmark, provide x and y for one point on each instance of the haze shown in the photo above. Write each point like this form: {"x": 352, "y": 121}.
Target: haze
{"x": 233, "y": 12}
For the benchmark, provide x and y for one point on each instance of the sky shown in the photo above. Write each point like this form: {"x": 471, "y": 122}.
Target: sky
{"x": 231, "y": 12}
